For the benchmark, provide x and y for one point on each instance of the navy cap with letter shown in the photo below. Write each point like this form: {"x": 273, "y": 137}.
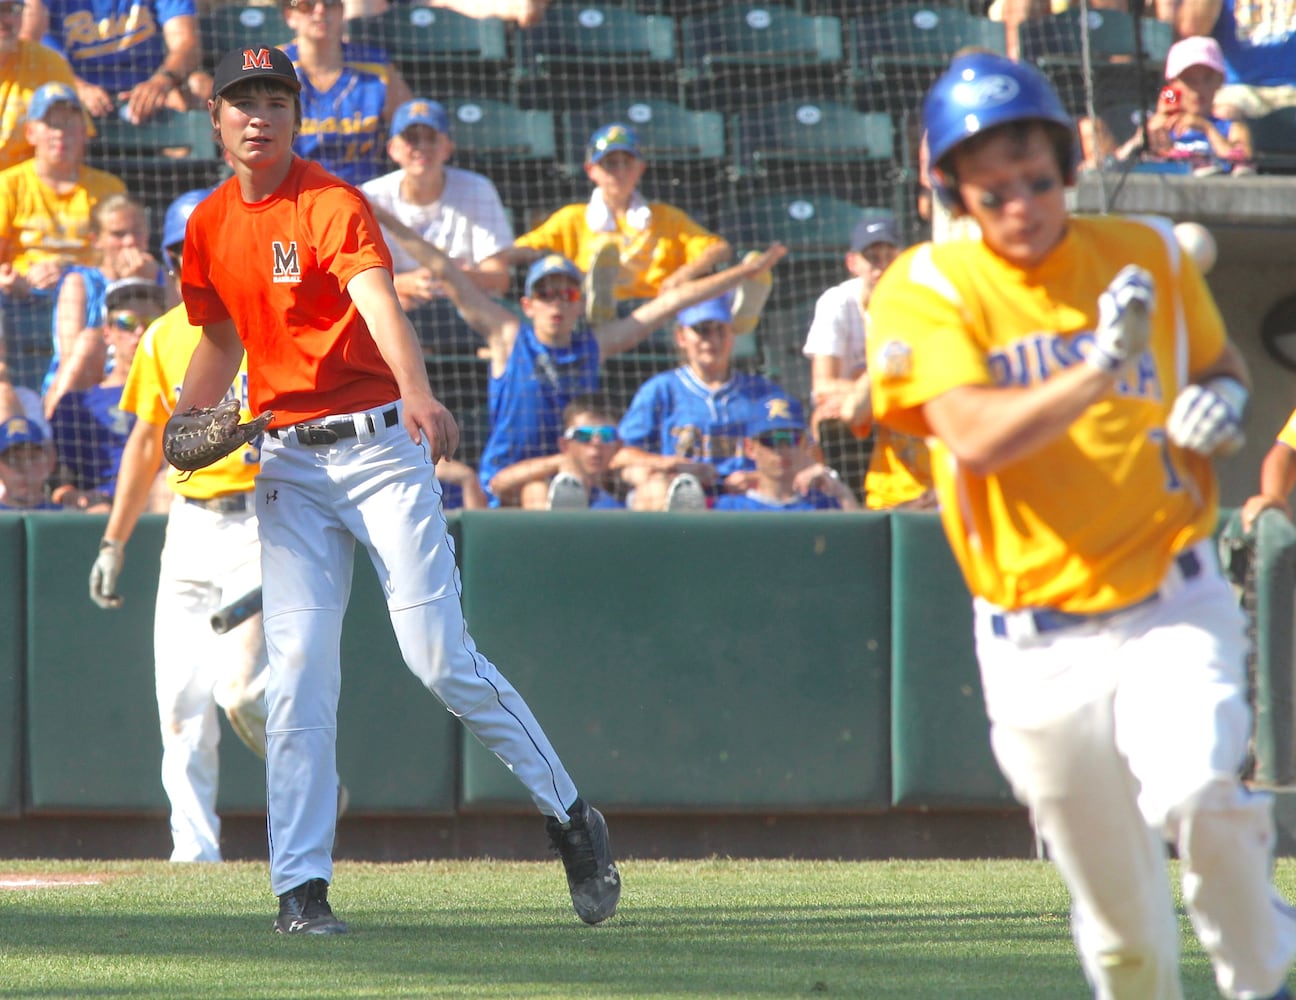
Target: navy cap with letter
{"x": 421, "y": 111}
{"x": 19, "y": 430}
{"x": 777, "y": 413}
{"x": 124, "y": 289}
{"x": 614, "y": 138}
{"x": 979, "y": 92}
{"x": 869, "y": 232}
{"x": 256, "y": 62}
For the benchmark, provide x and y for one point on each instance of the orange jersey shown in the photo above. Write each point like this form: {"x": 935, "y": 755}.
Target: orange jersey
{"x": 151, "y": 391}
{"x": 1091, "y": 521}
{"x": 279, "y": 269}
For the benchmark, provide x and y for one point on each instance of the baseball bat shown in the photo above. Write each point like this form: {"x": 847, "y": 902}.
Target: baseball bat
{"x": 237, "y": 612}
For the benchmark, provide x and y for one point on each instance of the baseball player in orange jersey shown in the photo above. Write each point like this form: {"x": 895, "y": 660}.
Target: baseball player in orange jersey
{"x": 286, "y": 260}
{"x": 1075, "y": 378}
{"x": 210, "y": 557}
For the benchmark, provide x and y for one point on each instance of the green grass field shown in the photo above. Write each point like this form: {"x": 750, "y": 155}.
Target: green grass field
{"x": 924, "y": 930}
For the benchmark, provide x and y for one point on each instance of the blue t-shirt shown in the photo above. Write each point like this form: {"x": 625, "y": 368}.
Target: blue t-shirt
{"x": 342, "y": 127}
{"x": 675, "y": 413}
{"x": 527, "y": 400}
{"x": 95, "y": 287}
{"x": 1262, "y": 54}
{"x": 601, "y": 499}
{"x": 751, "y": 500}
{"x": 114, "y": 44}
{"x": 90, "y": 432}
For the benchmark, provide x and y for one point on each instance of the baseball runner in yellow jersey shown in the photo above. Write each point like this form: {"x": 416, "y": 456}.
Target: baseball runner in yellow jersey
{"x": 1074, "y": 379}
{"x": 211, "y": 556}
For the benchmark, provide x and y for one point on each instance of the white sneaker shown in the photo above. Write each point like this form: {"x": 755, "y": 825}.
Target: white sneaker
{"x": 566, "y": 492}
{"x": 600, "y": 285}
{"x": 750, "y": 299}
{"x": 686, "y": 493}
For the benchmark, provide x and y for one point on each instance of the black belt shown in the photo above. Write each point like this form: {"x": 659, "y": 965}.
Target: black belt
{"x": 228, "y": 503}
{"x": 331, "y": 430}
{"x": 1050, "y": 620}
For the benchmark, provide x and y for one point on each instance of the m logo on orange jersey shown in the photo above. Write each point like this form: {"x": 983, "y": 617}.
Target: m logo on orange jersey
{"x": 287, "y": 268}
{"x": 256, "y": 59}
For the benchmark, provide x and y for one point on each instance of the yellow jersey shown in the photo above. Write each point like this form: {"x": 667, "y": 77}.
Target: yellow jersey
{"x": 39, "y": 223}
{"x": 151, "y": 391}
{"x": 648, "y": 256}
{"x": 1288, "y": 434}
{"x": 1091, "y": 521}
{"x": 899, "y": 469}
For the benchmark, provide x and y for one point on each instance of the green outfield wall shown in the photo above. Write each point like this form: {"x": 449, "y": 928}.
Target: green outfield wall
{"x": 680, "y": 663}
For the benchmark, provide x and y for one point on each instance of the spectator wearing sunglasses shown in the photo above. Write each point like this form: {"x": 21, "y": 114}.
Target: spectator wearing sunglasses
{"x": 542, "y": 361}
{"x": 90, "y": 428}
{"x": 579, "y": 474}
{"x": 683, "y": 431}
{"x": 788, "y": 476}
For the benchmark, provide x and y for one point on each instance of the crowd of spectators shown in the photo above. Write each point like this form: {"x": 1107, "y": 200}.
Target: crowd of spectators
{"x": 602, "y": 275}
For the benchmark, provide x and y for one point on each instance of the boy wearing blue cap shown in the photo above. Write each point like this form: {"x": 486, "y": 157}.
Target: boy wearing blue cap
{"x": 26, "y": 454}
{"x": 788, "y": 477}
{"x": 630, "y": 248}
{"x": 458, "y": 211}
{"x": 540, "y": 363}
{"x": 683, "y": 431}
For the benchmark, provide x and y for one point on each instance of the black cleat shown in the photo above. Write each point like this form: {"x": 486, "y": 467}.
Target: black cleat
{"x": 305, "y": 910}
{"x": 592, "y": 875}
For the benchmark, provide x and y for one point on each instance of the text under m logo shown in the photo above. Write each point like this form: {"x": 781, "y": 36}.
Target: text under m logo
{"x": 286, "y": 266}
{"x": 256, "y": 59}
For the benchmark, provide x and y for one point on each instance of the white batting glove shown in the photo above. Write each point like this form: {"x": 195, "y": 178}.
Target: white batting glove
{"x": 103, "y": 575}
{"x": 1123, "y": 320}
{"x": 1207, "y": 418}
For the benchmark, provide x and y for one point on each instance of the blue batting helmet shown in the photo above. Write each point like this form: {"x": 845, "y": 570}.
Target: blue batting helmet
{"x": 980, "y": 91}
{"x": 177, "y": 216}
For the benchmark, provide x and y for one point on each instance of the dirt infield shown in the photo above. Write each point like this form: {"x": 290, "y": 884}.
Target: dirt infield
{"x": 14, "y": 882}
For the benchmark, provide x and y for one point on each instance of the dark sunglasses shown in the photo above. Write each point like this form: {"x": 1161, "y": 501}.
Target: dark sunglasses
{"x": 778, "y": 439}
{"x": 605, "y": 434}
{"x": 128, "y": 320}
{"x": 561, "y": 293}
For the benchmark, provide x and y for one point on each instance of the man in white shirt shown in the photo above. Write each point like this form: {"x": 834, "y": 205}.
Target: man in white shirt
{"x": 458, "y": 211}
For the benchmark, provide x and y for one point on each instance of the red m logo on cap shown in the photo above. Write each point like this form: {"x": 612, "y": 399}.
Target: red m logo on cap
{"x": 256, "y": 59}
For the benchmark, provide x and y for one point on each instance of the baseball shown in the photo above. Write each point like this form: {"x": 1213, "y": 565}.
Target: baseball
{"x": 1196, "y": 241}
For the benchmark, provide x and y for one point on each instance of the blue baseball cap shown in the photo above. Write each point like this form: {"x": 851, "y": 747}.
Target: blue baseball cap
{"x": 614, "y": 138}
{"x": 719, "y": 310}
{"x": 421, "y": 111}
{"x": 777, "y": 413}
{"x": 177, "y": 218}
{"x": 19, "y": 430}
{"x": 871, "y": 231}
{"x": 46, "y": 96}
{"x": 551, "y": 263}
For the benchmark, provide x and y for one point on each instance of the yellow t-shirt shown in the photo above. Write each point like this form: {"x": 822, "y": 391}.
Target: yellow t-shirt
{"x": 20, "y": 75}
{"x": 1091, "y": 521}
{"x": 39, "y": 223}
{"x": 648, "y": 256}
{"x": 1287, "y": 435}
{"x": 151, "y": 391}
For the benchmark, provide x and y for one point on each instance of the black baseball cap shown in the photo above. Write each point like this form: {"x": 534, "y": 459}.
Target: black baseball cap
{"x": 255, "y": 62}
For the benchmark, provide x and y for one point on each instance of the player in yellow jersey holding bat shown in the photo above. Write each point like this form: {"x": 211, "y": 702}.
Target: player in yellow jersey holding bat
{"x": 1074, "y": 378}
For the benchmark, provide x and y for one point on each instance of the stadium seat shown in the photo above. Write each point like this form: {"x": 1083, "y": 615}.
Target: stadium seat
{"x": 170, "y": 153}
{"x": 440, "y": 51}
{"x": 1273, "y": 137}
{"x": 581, "y": 53}
{"x": 1122, "y": 119}
{"x": 827, "y": 145}
{"x": 895, "y": 56}
{"x": 685, "y": 150}
{"x": 227, "y": 27}
{"x": 514, "y": 147}
{"x": 816, "y": 228}
{"x": 732, "y": 58}
{"x": 1055, "y": 43}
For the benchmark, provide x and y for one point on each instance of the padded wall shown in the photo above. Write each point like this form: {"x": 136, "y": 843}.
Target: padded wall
{"x": 12, "y": 656}
{"x": 706, "y": 661}
{"x": 940, "y": 743}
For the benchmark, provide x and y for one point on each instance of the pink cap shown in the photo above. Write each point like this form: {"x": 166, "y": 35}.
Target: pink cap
{"x": 1198, "y": 50}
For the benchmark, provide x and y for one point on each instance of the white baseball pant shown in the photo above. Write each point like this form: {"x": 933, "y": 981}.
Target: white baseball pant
{"x": 208, "y": 560}
{"x": 1126, "y": 732}
{"x": 314, "y": 502}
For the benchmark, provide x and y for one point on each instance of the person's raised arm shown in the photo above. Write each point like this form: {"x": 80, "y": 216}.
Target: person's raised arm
{"x": 625, "y": 332}
{"x": 1192, "y": 17}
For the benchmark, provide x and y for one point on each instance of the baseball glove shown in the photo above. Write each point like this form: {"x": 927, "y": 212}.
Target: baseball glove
{"x": 202, "y": 435}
